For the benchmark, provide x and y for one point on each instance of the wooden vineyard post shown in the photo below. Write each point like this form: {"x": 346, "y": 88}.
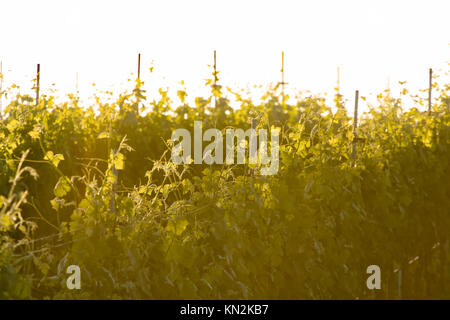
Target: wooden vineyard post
{"x": 399, "y": 283}
{"x": 138, "y": 82}
{"x": 112, "y": 205}
{"x": 215, "y": 85}
{"x": 355, "y": 124}
{"x": 139, "y": 67}
{"x": 38, "y": 75}
{"x": 282, "y": 78}
{"x": 254, "y": 125}
{"x": 429, "y": 90}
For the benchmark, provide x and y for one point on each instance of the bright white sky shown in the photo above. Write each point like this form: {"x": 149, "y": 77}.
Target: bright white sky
{"x": 370, "y": 41}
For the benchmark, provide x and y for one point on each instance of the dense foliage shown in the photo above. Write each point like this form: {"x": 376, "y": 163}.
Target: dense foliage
{"x": 94, "y": 186}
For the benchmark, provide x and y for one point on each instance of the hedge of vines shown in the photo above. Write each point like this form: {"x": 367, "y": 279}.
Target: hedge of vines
{"x": 95, "y": 187}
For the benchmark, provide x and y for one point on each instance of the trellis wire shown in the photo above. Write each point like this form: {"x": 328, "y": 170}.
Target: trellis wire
{"x": 76, "y": 240}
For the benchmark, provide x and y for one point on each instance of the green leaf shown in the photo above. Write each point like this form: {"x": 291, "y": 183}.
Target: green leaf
{"x": 13, "y": 124}
{"x": 34, "y": 134}
{"x": 84, "y": 204}
{"x": 55, "y": 159}
{"x": 54, "y": 204}
{"x": 103, "y": 135}
{"x": 5, "y": 220}
{"x": 181, "y": 95}
{"x": 62, "y": 187}
{"x": 119, "y": 162}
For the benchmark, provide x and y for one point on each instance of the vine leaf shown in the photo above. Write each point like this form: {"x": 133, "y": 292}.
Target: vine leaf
{"x": 62, "y": 187}
{"x": 55, "y": 159}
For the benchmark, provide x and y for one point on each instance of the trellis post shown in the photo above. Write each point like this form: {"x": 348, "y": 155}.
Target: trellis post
{"x": 139, "y": 67}
{"x": 355, "y": 123}
{"x": 215, "y": 86}
{"x": 429, "y": 90}
{"x": 282, "y": 77}
{"x": 38, "y": 75}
